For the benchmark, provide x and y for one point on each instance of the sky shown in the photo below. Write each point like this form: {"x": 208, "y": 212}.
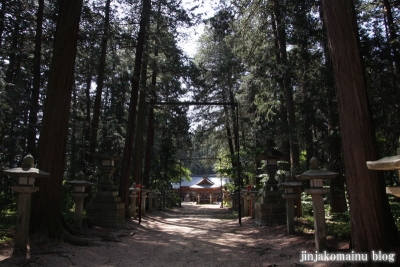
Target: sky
{"x": 206, "y": 7}
{"x": 189, "y": 46}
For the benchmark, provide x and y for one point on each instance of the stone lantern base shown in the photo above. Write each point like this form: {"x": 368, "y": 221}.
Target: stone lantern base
{"x": 106, "y": 210}
{"x": 271, "y": 209}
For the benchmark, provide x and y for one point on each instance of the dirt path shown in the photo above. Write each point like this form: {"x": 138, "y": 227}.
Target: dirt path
{"x": 194, "y": 235}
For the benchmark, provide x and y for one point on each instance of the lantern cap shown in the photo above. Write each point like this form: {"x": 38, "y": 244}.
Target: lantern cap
{"x": 315, "y": 173}
{"x": 80, "y": 180}
{"x": 27, "y": 169}
{"x": 134, "y": 187}
{"x": 385, "y": 164}
{"x": 289, "y": 184}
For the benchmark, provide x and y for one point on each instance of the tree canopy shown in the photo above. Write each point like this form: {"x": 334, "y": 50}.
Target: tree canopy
{"x": 276, "y": 59}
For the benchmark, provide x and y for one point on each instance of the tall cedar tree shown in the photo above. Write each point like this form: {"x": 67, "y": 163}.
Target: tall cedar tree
{"x": 129, "y": 140}
{"x": 279, "y": 27}
{"x": 372, "y": 228}
{"x": 34, "y": 108}
{"x": 336, "y": 186}
{"x": 291, "y": 118}
{"x": 46, "y": 215}
{"x": 150, "y": 118}
{"x": 100, "y": 83}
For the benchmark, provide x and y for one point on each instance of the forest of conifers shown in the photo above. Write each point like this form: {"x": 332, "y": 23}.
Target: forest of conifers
{"x": 75, "y": 73}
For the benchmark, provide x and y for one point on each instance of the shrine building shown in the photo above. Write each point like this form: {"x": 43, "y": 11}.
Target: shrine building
{"x": 201, "y": 184}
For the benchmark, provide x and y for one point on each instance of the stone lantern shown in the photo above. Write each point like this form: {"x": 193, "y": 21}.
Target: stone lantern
{"x": 26, "y": 178}
{"x": 388, "y": 164}
{"x": 317, "y": 191}
{"x": 106, "y": 208}
{"x": 107, "y": 165}
{"x": 270, "y": 203}
{"x": 271, "y": 158}
{"x": 133, "y": 193}
{"x": 289, "y": 185}
{"x": 79, "y": 185}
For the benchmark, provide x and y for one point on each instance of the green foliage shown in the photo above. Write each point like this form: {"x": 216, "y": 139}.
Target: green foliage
{"x": 237, "y": 61}
{"x": 337, "y": 225}
{"x": 231, "y": 187}
{"x": 172, "y": 200}
{"x": 395, "y": 207}
{"x": 8, "y": 216}
{"x": 68, "y": 201}
{"x": 306, "y": 204}
{"x": 227, "y": 204}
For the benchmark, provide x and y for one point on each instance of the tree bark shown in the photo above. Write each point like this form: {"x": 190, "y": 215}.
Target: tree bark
{"x": 11, "y": 78}
{"x": 100, "y": 84}
{"x": 281, "y": 41}
{"x": 287, "y": 118}
{"x": 129, "y": 140}
{"x": 373, "y": 226}
{"x": 34, "y": 108}
{"x": 141, "y": 115}
{"x": 150, "y": 118}
{"x": 229, "y": 136}
{"x": 336, "y": 186}
{"x": 393, "y": 38}
{"x": 149, "y": 144}
{"x": 46, "y": 205}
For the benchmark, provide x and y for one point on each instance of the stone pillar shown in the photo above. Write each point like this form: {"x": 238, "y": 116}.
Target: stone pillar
{"x": 143, "y": 202}
{"x": 233, "y": 201}
{"x": 198, "y": 199}
{"x": 245, "y": 204}
{"x": 319, "y": 216}
{"x": 155, "y": 201}
{"x": 78, "y": 209}
{"x": 290, "y": 212}
{"x": 133, "y": 205}
{"x": 23, "y": 216}
{"x": 211, "y": 199}
{"x": 253, "y": 198}
{"x": 158, "y": 201}
{"x": 150, "y": 196}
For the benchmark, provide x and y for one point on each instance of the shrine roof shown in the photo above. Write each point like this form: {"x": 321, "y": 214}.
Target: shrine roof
{"x": 203, "y": 181}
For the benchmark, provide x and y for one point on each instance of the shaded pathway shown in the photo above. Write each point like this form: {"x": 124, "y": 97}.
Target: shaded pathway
{"x": 194, "y": 235}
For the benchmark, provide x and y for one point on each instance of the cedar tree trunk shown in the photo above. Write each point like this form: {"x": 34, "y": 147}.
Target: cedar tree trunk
{"x": 100, "y": 83}
{"x": 34, "y": 108}
{"x": 46, "y": 215}
{"x": 373, "y": 226}
{"x": 129, "y": 140}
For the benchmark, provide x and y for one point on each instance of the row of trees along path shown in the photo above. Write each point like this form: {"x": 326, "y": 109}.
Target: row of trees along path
{"x": 51, "y": 52}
